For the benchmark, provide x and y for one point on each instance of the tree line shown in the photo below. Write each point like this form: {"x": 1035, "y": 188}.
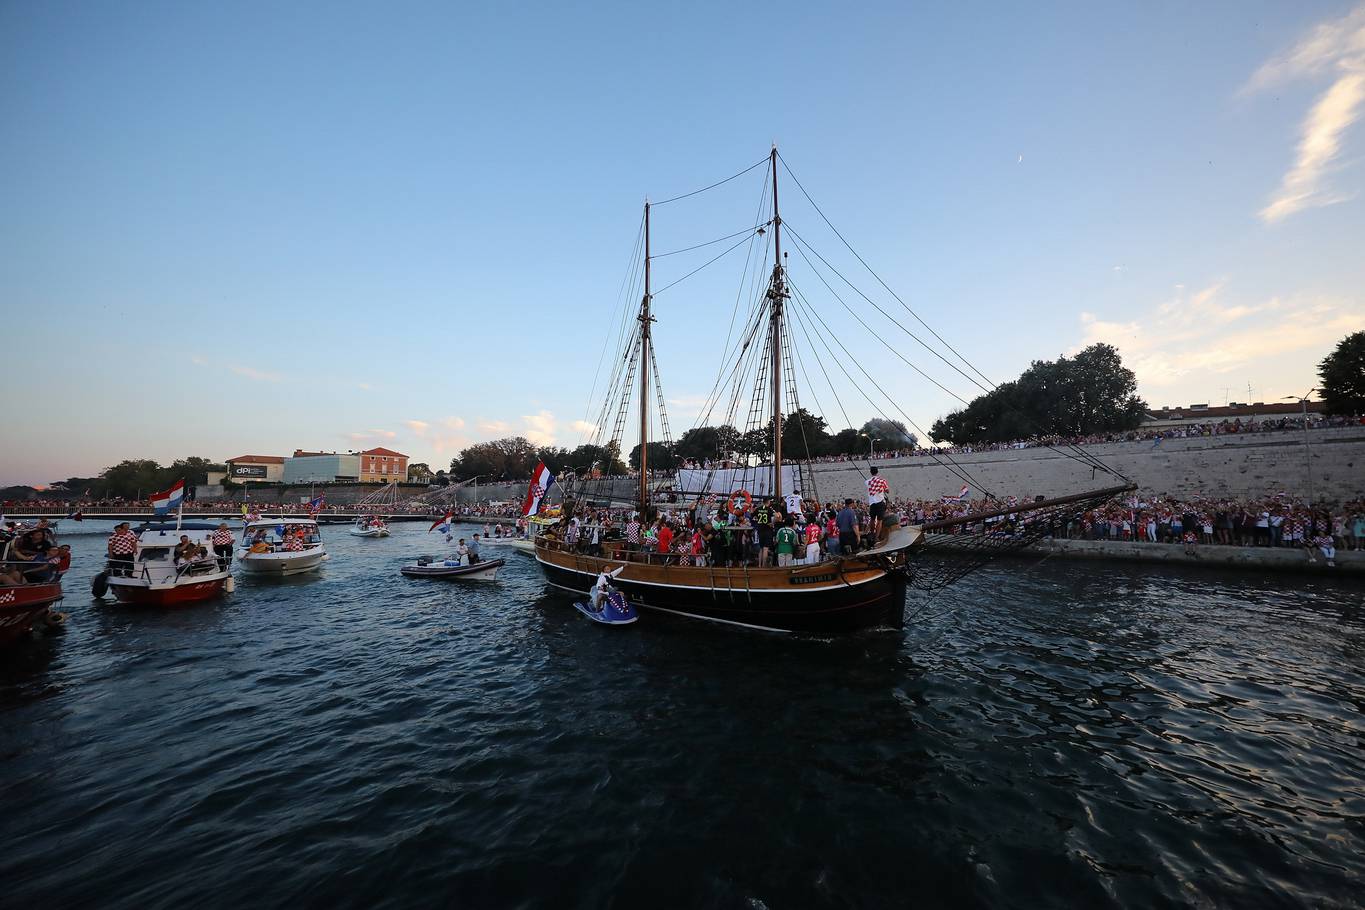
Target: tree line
{"x": 804, "y": 435}
{"x": 136, "y": 478}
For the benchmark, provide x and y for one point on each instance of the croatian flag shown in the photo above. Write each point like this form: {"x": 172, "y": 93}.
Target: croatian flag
{"x": 961, "y": 495}
{"x": 541, "y": 481}
{"x": 171, "y": 499}
{"x": 441, "y": 524}
{"x": 315, "y": 505}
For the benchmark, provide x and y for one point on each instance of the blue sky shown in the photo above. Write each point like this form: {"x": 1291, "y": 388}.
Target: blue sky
{"x": 250, "y": 228}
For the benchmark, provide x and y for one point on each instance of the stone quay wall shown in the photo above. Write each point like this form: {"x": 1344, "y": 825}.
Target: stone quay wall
{"x": 1234, "y": 466}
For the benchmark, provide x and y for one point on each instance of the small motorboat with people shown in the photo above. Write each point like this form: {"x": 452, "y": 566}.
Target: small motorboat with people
{"x": 426, "y": 567}
{"x": 30, "y": 580}
{"x": 281, "y": 546}
{"x": 370, "y": 526}
{"x": 172, "y": 563}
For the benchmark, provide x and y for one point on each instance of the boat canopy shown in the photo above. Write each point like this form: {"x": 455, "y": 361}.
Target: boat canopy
{"x": 164, "y": 526}
{"x": 267, "y": 523}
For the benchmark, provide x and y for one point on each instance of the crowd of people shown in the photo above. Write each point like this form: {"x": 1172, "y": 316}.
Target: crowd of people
{"x": 31, "y": 555}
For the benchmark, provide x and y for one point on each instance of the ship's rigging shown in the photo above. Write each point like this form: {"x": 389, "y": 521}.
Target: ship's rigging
{"x": 782, "y": 334}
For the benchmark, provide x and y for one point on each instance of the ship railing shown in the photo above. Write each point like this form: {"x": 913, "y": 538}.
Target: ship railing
{"x": 127, "y": 568}
{"x": 32, "y": 571}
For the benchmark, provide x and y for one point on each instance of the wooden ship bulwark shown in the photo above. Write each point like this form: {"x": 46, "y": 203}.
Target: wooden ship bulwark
{"x": 838, "y": 594}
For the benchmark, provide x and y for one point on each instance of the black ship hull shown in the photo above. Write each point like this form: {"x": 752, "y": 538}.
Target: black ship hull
{"x": 871, "y": 604}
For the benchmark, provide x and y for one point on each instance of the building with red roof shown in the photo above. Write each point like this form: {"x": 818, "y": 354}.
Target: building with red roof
{"x": 381, "y": 465}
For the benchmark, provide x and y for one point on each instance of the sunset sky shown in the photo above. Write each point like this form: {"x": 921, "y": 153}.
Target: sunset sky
{"x": 250, "y": 228}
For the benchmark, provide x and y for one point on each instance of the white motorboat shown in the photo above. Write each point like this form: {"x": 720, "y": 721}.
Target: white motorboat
{"x": 483, "y": 570}
{"x": 159, "y": 575}
{"x": 370, "y": 526}
{"x": 281, "y": 546}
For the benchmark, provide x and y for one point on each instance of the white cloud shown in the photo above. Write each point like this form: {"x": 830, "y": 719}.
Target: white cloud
{"x": 363, "y": 386}
{"x": 582, "y": 426}
{"x": 686, "y": 405}
{"x": 198, "y": 360}
{"x": 540, "y": 428}
{"x": 453, "y": 423}
{"x": 1337, "y": 47}
{"x": 256, "y": 375}
{"x": 492, "y": 426}
{"x": 1191, "y": 346}
{"x": 418, "y": 427}
{"x": 371, "y": 434}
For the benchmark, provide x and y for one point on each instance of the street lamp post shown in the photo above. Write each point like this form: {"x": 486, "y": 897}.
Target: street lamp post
{"x": 1307, "y": 452}
{"x": 871, "y": 446}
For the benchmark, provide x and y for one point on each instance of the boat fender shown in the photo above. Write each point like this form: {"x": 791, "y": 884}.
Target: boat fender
{"x": 54, "y": 620}
{"x": 99, "y": 585}
{"x": 748, "y": 501}
{"x": 229, "y": 584}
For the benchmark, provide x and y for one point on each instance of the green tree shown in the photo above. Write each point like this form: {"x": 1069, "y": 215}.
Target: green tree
{"x": 607, "y": 459}
{"x": 1092, "y": 392}
{"x": 847, "y": 442}
{"x": 661, "y": 457}
{"x": 512, "y": 458}
{"x": 134, "y": 478}
{"x": 758, "y": 443}
{"x": 804, "y": 435}
{"x": 1343, "y": 376}
{"x": 890, "y": 434}
{"x": 701, "y": 443}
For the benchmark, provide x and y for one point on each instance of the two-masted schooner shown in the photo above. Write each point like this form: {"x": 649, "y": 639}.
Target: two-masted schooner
{"x": 865, "y": 589}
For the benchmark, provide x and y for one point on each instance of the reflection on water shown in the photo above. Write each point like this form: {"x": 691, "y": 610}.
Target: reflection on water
{"x": 1040, "y": 735}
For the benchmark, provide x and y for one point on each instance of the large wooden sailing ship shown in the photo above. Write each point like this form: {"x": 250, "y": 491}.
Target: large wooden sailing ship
{"x": 843, "y": 593}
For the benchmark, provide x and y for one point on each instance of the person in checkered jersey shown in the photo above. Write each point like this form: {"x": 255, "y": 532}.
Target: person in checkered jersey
{"x": 877, "y": 491}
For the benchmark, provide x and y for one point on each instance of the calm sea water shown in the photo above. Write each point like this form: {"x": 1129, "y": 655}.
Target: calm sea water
{"x": 1044, "y": 735}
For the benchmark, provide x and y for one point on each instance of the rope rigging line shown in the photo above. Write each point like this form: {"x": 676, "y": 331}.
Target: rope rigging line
{"x": 1076, "y": 454}
{"x": 801, "y": 248}
{"x": 956, "y": 469}
{"x": 718, "y": 256}
{"x": 1080, "y": 454}
{"x": 626, "y": 280}
{"x": 786, "y": 167}
{"x": 816, "y": 356}
{"x": 741, "y": 349}
{"x": 687, "y": 249}
{"x": 734, "y": 311}
{"x": 759, "y": 163}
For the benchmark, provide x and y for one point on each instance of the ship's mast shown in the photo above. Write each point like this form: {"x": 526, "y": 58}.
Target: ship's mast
{"x": 645, "y": 320}
{"x": 777, "y": 293}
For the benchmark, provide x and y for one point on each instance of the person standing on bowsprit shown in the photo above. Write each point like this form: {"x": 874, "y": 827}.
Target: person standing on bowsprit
{"x": 877, "y": 491}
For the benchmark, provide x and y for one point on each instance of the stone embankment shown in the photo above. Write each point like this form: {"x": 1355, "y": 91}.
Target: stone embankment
{"x": 1235, "y": 466}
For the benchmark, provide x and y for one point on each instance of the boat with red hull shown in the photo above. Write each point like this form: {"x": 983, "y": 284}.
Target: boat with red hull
{"x": 23, "y": 605}
{"x": 159, "y": 576}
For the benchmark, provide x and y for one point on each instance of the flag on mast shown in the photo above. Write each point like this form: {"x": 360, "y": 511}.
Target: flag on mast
{"x": 162, "y": 503}
{"x": 541, "y": 481}
{"x": 441, "y": 524}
